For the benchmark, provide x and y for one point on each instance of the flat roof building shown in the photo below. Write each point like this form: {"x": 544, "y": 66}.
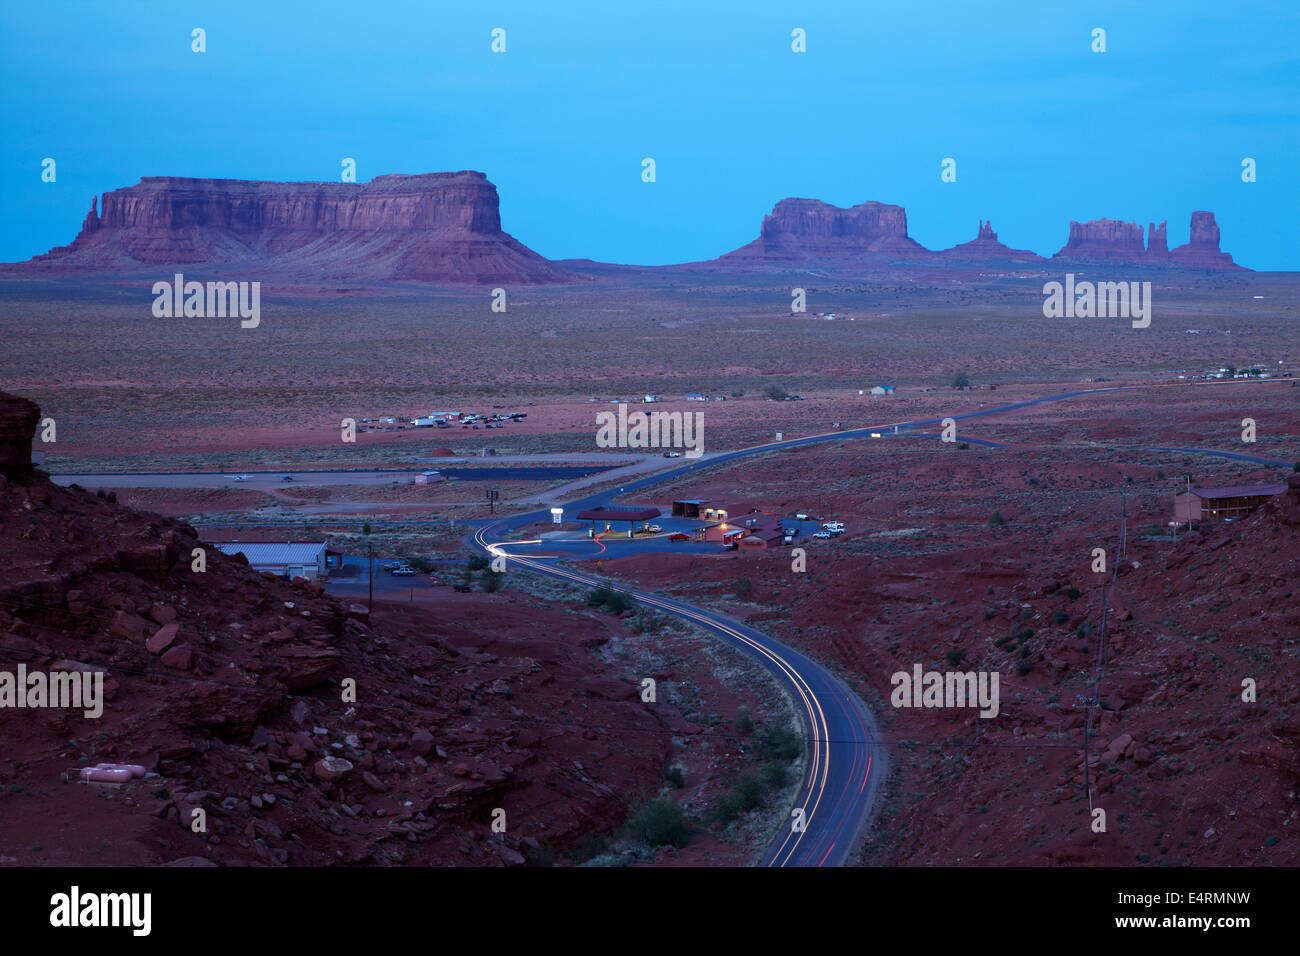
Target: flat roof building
{"x": 1224, "y": 501}
{"x": 286, "y": 559}
{"x": 608, "y": 516}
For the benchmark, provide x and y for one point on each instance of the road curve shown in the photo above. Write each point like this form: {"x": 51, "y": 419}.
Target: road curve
{"x": 839, "y": 788}
{"x": 839, "y": 791}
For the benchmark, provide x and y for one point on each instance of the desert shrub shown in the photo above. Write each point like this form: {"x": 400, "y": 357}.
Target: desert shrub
{"x": 365, "y": 528}
{"x": 1024, "y": 667}
{"x": 743, "y": 586}
{"x": 988, "y": 613}
{"x": 660, "y": 822}
{"x": 775, "y": 774}
{"x": 747, "y": 796}
{"x": 491, "y": 580}
{"x": 1024, "y": 635}
{"x": 590, "y": 848}
{"x": 744, "y": 720}
{"x": 675, "y": 777}
{"x": 612, "y": 601}
{"x": 964, "y": 446}
{"x": 961, "y": 380}
{"x": 779, "y": 743}
{"x": 477, "y": 562}
{"x": 956, "y": 656}
{"x": 775, "y": 392}
{"x": 1060, "y": 616}
{"x": 1073, "y": 594}
{"x": 997, "y": 519}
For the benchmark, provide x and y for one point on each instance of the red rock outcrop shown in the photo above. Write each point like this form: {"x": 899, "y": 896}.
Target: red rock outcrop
{"x": 437, "y": 227}
{"x": 225, "y": 687}
{"x": 1112, "y": 239}
{"x": 1104, "y": 239}
{"x": 18, "y": 421}
{"x": 985, "y": 246}
{"x": 1202, "y": 251}
{"x": 809, "y": 230}
{"x": 1157, "y": 242}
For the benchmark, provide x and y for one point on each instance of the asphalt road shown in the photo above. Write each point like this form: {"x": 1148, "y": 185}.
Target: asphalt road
{"x": 264, "y": 480}
{"x": 838, "y": 794}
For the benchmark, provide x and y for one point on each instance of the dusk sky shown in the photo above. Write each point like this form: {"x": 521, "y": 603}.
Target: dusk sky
{"x": 1043, "y": 129}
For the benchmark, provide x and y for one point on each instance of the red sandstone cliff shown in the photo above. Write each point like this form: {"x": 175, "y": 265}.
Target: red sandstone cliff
{"x": 1112, "y": 239}
{"x": 1104, "y": 239}
{"x": 802, "y": 230}
{"x": 437, "y": 227}
{"x": 1203, "y": 250}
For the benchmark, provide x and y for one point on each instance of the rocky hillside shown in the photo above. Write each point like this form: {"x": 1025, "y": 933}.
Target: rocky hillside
{"x": 229, "y": 689}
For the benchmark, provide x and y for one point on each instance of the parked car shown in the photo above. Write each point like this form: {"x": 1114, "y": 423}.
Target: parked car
{"x": 391, "y": 565}
{"x": 678, "y": 536}
{"x": 672, "y": 454}
{"x": 823, "y": 534}
{"x": 801, "y": 516}
{"x": 463, "y": 588}
{"x": 287, "y": 478}
{"x": 655, "y": 529}
{"x": 833, "y": 526}
{"x": 405, "y": 571}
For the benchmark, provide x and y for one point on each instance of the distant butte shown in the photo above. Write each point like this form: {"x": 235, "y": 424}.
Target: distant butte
{"x": 445, "y": 228}
{"x": 1111, "y": 239}
{"x": 434, "y": 227}
{"x": 807, "y": 230}
{"x": 985, "y": 247}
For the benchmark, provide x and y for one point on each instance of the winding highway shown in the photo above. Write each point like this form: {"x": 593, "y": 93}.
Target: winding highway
{"x": 837, "y": 796}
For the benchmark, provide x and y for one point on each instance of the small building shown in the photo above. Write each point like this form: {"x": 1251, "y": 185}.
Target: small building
{"x": 1226, "y": 501}
{"x": 688, "y": 507}
{"x": 288, "y": 560}
{"x": 651, "y": 399}
{"x": 766, "y": 530}
{"x": 761, "y": 531}
{"x": 696, "y": 397}
{"x": 883, "y": 390}
{"x": 609, "y": 516}
{"x": 428, "y": 478}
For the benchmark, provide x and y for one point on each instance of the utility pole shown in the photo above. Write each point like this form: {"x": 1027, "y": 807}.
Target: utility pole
{"x": 492, "y": 496}
{"x": 370, "y": 604}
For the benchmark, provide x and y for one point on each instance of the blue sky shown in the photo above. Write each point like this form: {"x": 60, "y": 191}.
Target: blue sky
{"x": 1043, "y": 129}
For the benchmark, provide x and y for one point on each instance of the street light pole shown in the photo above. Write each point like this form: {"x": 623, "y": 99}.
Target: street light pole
{"x": 370, "y": 605}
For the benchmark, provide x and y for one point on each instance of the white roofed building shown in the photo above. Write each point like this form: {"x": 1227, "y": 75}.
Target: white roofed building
{"x": 291, "y": 560}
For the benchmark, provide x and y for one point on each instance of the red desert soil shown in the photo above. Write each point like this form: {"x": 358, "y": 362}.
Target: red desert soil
{"x": 1186, "y": 770}
{"x": 228, "y": 687}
